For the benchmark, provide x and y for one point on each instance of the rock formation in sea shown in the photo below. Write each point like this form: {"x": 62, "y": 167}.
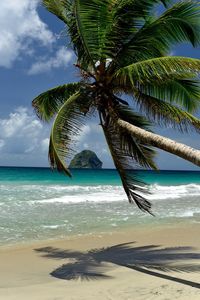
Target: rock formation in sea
{"x": 86, "y": 159}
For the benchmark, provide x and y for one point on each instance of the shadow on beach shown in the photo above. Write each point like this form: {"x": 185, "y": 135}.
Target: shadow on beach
{"x": 151, "y": 260}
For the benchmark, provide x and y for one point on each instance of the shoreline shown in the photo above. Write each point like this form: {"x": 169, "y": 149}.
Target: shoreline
{"x": 138, "y": 263}
{"x": 116, "y": 231}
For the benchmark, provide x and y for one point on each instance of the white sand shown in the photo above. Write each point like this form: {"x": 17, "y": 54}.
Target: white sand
{"x": 168, "y": 270}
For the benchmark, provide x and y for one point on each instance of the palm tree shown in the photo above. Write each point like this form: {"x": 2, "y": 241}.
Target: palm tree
{"x": 122, "y": 48}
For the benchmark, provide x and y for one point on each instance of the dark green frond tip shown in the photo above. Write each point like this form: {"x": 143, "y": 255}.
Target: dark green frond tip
{"x": 142, "y": 154}
{"x": 127, "y": 114}
{"x": 133, "y": 191}
{"x": 60, "y": 8}
{"x": 55, "y": 161}
{"x": 185, "y": 24}
{"x": 132, "y": 185}
{"x": 47, "y": 104}
{"x": 66, "y": 127}
{"x": 140, "y": 201}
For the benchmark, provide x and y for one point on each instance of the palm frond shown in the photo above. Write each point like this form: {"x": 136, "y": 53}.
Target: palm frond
{"x": 135, "y": 9}
{"x": 184, "y": 92}
{"x": 112, "y": 23}
{"x": 47, "y": 104}
{"x": 77, "y": 43}
{"x": 67, "y": 125}
{"x": 141, "y": 153}
{"x": 161, "y": 68}
{"x": 125, "y": 113}
{"x": 61, "y": 8}
{"x": 180, "y": 23}
{"x": 163, "y": 113}
{"x": 131, "y": 184}
{"x": 94, "y": 19}
{"x": 65, "y": 11}
{"x": 181, "y": 89}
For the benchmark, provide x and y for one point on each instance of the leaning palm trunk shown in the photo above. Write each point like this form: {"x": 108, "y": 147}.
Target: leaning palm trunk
{"x": 163, "y": 143}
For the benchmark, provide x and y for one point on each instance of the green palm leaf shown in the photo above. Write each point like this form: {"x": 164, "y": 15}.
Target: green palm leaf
{"x": 93, "y": 21}
{"x": 65, "y": 11}
{"x": 166, "y": 114}
{"x": 161, "y": 68}
{"x": 184, "y": 92}
{"x": 61, "y": 8}
{"x": 180, "y": 23}
{"x": 130, "y": 182}
{"x": 137, "y": 8}
{"x": 66, "y": 127}
{"x": 127, "y": 17}
{"x": 103, "y": 25}
{"x": 47, "y": 104}
{"x": 141, "y": 153}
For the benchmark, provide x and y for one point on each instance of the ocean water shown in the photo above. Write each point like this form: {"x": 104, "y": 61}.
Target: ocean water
{"x": 38, "y": 204}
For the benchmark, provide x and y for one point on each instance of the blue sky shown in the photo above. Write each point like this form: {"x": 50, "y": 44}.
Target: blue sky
{"x": 35, "y": 56}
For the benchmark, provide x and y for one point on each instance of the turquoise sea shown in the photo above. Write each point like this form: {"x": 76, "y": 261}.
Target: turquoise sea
{"x": 38, "y": 204}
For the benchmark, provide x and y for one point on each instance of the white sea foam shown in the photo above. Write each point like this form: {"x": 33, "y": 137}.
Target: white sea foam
{"x": 99, "y": 194}
{"x": 108, "y": 193}
{"x": 52, "y": 226}
{"x": 160, "y": 192}
{"x": 94, "y": 197}
{"x": 187, "y": 214}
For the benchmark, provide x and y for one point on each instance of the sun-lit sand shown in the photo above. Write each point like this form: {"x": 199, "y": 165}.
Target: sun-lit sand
{"x": 154, "y": 263}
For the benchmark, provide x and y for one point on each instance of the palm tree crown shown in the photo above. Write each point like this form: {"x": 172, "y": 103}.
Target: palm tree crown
{"x": 122, "y": 47}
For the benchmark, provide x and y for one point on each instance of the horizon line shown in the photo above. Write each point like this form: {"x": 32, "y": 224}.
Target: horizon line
{"x": 42, "y": 167}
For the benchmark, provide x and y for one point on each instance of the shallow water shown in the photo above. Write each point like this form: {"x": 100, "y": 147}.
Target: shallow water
{"x": 37, "y": 204}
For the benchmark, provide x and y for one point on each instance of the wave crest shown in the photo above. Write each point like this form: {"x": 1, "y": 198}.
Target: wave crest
{"x": 98, "y": 193}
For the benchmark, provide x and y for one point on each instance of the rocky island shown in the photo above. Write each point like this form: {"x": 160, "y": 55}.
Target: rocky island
{"x": 85, "y": 159}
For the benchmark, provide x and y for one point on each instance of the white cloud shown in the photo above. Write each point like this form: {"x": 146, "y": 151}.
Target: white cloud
{"x": 20, "y": 25}
{"x": 18, "y": 124}
{"x": 45, "y": 145}
{"x": 22, "y": 133}
{"x": 61, "y": 59}
{"x": 85, "y": 130}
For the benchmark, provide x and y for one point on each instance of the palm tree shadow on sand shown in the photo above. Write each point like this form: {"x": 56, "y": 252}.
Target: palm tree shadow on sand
{"x": 151, "y": 260}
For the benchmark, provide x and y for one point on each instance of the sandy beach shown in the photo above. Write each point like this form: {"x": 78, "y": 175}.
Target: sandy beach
{"x": 154, "y": 263}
